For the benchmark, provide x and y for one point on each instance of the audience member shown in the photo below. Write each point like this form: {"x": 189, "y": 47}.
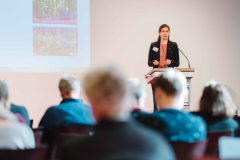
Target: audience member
{"x": 139, "y": 96}
{"x": 217, "y": 108}
{"x": 115, "y": 136}
{"x": 19, "y": 111}
{"x": 71, "y": 110}
{"x": 170, "y": 120}
{"x": 13, "y": 135}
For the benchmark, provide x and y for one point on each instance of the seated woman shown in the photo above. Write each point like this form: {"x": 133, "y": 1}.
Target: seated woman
{"x": 217, "y": 108}
{"x": 14, "y": 135}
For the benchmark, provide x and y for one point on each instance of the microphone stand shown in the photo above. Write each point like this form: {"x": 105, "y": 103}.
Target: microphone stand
{"x": 185, "y": 57}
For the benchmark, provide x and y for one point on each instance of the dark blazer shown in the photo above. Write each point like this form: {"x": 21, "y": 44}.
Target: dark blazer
{"x": 172, "y": 54}
{"x": 119, "y": 141}
{"x": 215, "y": 123}
{"x": 176, "y": 125}
{"x": 68, "y": 112}
{"x": 20, "y": 110}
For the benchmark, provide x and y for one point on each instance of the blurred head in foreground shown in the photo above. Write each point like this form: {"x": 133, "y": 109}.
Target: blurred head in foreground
{"x": 109, "y": 93}
{"x": 216, "y": 100}
{"x": 171, "y": 89}
{"x": 139, "y": 93}
{"x": 69, "y": 86}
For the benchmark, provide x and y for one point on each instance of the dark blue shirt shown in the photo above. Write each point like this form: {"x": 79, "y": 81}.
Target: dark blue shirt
{"x": 176, "y": 125}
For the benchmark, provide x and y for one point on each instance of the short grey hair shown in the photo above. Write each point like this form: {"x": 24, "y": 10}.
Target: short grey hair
{"x": 4, "y": 94}
{"x": 69, "y": 83}
{"x": 106, "y": 85}
{"x": 172, "y": 82}
{"x": 138, "y": 88}
{"x": 216, "y": 100}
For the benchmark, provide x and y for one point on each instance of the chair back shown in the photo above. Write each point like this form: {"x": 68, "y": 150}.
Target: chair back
{"x": 237, "y": 118}
{"x": 31, "y": 123}
{"x": 80, "y": 130}
{"x": 38, "y": 133}
{"x": 38, "y": 153}
{"x": 208, "y": 158}
{"x": 187, "y": 150}
{"x": 213, "y": 136}
{"x": 64, "y": 139}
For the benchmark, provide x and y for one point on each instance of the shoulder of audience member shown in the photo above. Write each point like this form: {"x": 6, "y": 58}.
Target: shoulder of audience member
{"x": 19, "y": 109}
{"x": 151, "y": 120}
{"x": 17, "y": 106}
{"x": 196, "y": 119}
{"x": 51, "y": 110}
{"x": 233, "y": 122}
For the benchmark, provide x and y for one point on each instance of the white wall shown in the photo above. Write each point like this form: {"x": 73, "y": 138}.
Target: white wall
{"x": 207, "y": 32}
{"x": 121, "y": 32}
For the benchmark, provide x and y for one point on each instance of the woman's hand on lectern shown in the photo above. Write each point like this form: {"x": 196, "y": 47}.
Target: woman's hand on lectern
{"x": 169, "y": 61}
{"x": 156, "y": 63}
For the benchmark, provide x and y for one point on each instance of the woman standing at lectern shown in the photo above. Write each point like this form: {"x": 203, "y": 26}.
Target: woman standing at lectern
{"x": 163, "y": 53}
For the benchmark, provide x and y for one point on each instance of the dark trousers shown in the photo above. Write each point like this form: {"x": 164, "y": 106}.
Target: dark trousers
{"x": 153, "y": 93}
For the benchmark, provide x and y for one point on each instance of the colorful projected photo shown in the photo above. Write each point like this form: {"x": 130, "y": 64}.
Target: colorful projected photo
{"x": 55, "y": 11}
{"x": 55, "y": 41}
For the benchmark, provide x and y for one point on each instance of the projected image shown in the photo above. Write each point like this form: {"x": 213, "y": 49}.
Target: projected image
{"x": 55, "y": 41}
{"x": 55, "y": 11}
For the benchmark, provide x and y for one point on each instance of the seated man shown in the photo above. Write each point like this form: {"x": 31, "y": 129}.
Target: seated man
{"x": 139, "y": 96}
{"x": 71, "y": 110}
{"x": 13, "y": 135}
{"x": 115, "y": 136}
{"x": 170, "y": 120}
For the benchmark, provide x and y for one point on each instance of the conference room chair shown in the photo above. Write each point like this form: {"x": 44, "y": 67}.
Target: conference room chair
{"x": 31, "y": 123}
{"x": 213, "y": 137}
{"x": 81, "y": 130}
{"x": 64, "y": 139}
{"x": 208, "y": 158}
{"x": 187, "y": 150}
{"x": 38, "y": 133}
{"x": 86, "y": 130}
{"x": 237, "y": 118}
{"x": 38, "y": 153}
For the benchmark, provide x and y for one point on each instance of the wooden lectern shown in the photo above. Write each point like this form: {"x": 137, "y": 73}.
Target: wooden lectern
{"x": 188, "y": 72}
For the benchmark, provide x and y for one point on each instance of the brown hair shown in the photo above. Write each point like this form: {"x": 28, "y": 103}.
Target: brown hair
{"x": 217, "y": 101}
{"x": 160, "y": 29}
{"x": 172, "y": 82}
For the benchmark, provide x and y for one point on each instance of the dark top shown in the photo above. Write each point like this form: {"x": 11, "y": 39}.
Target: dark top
{"x": 176, "y": 125}
{"x": 215, "y": 123}
{"x": 172, "y": 54}
{"x": 135, "y": 112}
{"x": 68, "y": 112}
{"x": 119, "y": 141}
{"x": 22, "y": 111}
